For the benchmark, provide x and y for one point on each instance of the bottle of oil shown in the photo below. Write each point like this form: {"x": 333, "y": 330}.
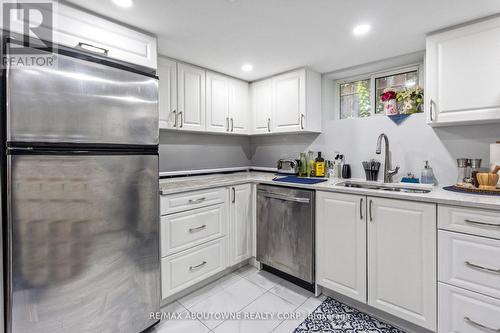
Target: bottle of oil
{"x": 319, "y": 166}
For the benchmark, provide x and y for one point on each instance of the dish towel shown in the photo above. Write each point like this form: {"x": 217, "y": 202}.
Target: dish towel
{"x": 299, "y": 180}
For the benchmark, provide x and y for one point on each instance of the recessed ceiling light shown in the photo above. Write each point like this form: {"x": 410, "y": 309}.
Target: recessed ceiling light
{"x": 246, "y": 68}
{"x": 361, "y": 29}
{"x": 124, "y": 3}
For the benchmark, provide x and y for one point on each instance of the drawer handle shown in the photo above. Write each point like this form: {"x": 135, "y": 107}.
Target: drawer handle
{"x": 201, "y": 227}
{"x": 92, "y": 48}
{"x": 192, "y": 268}
{"x": 482, "y": 268}
{"x": 197, "y": 201}
{"x": 484, "y": 327}
{"x": 482, "y": 223}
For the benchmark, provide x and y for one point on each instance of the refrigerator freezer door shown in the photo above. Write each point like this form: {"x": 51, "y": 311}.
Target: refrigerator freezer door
{"x": 83, "y": 243}
{"x": 81, "y": 101}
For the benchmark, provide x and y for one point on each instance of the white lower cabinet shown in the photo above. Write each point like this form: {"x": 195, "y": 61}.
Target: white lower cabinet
{"x": 468, "y": 270}
{"x": 462, "y": 311}
{"x": 240, "y": 223}
{"x": 470, "y": 262}
{"x": 202, "y": 233}
{"x": 183, "y": 230}
{"x": 379, "y": 251}
{"x": 402, "y": 259}
{"x": 341, "y": 243}
{"x": 184, "y": 269}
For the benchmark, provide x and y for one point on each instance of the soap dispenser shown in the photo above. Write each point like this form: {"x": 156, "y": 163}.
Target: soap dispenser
{"x": 427, "y": 174}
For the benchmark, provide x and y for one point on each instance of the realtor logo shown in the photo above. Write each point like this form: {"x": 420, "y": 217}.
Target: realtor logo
{"x": 29, "y": 24}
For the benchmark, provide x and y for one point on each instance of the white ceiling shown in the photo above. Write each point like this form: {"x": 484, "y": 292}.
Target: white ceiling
{"x": 278, "y": 35}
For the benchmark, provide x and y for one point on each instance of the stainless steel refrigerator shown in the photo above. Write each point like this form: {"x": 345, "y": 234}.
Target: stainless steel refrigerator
{"x": 80, "y": 196}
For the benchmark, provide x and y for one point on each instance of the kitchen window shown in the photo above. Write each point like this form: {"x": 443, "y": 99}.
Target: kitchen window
{"x": 355, "y": 99}
{"x": 360, "y": 97}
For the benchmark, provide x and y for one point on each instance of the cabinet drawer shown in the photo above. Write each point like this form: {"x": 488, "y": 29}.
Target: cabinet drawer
{"x": 469, "y": 262}
{"x": 184, "y": 269}
{"x": 184, "y": 201}
{"x": 464, "y": 311}
{"x": 183, "y": 230}
{"x": 481, "y": 222}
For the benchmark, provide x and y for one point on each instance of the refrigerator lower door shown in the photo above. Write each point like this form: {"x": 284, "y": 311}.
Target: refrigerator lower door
{"x": 83, "y": 243}
{"x": 81, "y": 101}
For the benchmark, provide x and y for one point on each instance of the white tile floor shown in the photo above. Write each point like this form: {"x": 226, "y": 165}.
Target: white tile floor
{"x": 249, "y": 291}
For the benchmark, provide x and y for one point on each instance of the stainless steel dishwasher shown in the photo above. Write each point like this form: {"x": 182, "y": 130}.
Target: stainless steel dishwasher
{"x": 285, "y": 230}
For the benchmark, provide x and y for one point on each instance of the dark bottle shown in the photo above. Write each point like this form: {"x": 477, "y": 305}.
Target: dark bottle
{"x": 319, "y": 166}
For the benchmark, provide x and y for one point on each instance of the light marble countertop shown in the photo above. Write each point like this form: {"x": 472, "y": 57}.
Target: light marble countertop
{"x": 437, "y": 195}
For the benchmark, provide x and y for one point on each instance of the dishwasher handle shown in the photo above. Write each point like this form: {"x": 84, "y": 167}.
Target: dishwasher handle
{"x": 284, "y": 197}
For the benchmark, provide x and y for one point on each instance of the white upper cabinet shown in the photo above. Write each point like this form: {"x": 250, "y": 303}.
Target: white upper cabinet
{"x": 238, "y": 107}
{"x": 289, "y": 102}
{"x": 191, "y": 97}
{"x": 294, "y": 99}
{"x": 262, "y": 106}
{"x": 402, "y": 259}
{"x": 341, "y": 243}
{"x": 167, "y": 73}
{"x": 217, "y": 103}
{"x": 76, "y": 28}
{"x": 462, "y": 71}
{"x": 227, "y": 104}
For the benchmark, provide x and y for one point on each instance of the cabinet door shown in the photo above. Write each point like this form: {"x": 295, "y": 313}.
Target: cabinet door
{"x": 462, "y": 71}
{"x": 238, "y": 107}
{"x": 167, "y": 73}
{"x": 262, "y": 106}
{"x": 191, "y": 97}
{"x": 77, "y": 28}
{"x": 402, "y": 259}
{"x": 341, "y": 243}
{"x": 289, "y": 101}
{"x": 240, "y": 223}
{"x": 217, "y": 103}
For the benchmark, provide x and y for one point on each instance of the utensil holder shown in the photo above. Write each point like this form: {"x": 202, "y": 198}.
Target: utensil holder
{"x": 371, "y": 175}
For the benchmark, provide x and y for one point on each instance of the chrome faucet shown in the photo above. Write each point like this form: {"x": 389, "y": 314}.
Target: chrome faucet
{"x": 388, "y": 174}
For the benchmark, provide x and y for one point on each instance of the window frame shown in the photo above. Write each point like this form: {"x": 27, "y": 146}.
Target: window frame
{"x": 418, "y": 67}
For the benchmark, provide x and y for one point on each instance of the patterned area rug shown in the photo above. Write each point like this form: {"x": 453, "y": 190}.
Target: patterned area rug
{"x": 333, "y": 316}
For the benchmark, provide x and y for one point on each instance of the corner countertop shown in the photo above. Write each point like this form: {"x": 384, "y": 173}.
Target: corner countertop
{"x": 437, "y": 195}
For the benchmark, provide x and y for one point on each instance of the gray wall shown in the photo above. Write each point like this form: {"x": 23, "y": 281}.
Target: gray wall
{"x": 411, "y": 144}
{"x": 187, "y": 151}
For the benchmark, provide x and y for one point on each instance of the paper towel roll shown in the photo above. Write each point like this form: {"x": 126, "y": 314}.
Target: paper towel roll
{"x": 495, "y": 156}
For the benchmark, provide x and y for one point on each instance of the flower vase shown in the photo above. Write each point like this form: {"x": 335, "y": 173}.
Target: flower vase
{"x": 391, "y": 107}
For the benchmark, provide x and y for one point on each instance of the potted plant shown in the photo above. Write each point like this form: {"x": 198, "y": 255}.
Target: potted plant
{"x": 410, "y": 100}
{"x": 388, "y": 97}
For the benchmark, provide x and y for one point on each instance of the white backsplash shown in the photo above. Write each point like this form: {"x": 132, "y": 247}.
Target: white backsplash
{"x": 411, "y": 143}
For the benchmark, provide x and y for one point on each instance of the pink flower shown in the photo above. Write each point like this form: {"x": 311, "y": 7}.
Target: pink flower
{"x": 388, "y": 95}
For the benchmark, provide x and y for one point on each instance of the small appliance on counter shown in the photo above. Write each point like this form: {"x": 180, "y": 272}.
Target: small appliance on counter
{"x": 288, "y": 166}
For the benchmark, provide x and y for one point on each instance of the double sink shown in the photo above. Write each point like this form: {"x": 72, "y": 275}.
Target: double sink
{"x": 384, "y": 187}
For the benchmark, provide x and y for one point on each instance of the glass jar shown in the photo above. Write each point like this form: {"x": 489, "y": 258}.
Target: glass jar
{"x": 462, "y": 164}
{"x": 475, "y": 166}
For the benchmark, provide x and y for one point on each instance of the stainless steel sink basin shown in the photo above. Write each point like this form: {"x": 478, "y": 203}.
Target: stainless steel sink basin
{"x": 384, "y": 187}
